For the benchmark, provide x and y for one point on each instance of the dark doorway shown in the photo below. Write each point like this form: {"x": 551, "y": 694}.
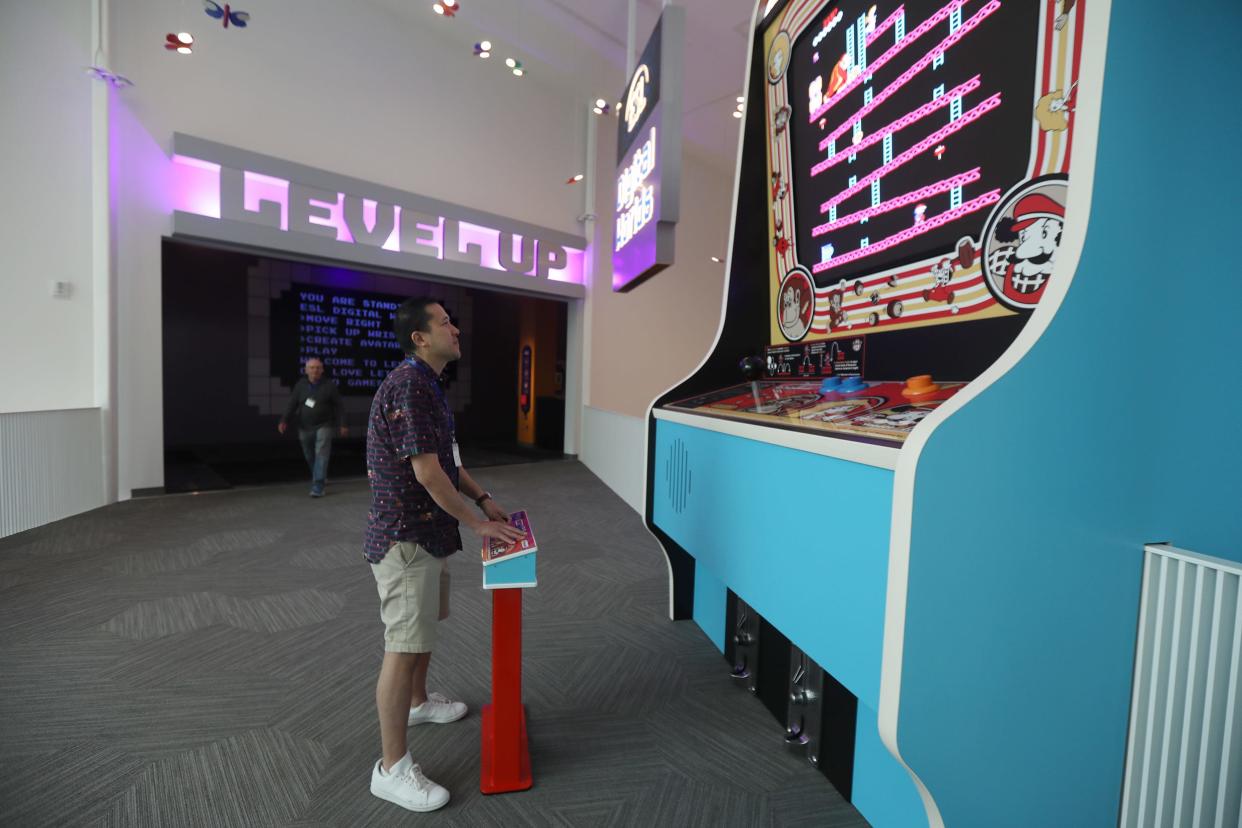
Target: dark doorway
{"x": 237, "y": 328}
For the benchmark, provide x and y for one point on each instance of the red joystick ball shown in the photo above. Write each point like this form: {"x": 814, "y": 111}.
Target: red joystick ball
{"x": 752, "y": 367}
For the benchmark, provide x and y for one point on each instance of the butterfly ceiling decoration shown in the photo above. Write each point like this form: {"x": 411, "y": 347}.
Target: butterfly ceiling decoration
{"x": 226, "y": 14}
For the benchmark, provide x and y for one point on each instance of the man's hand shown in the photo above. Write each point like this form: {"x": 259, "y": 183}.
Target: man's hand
{"x": 344, "y": 431}
{"x": 499, "y": 530}
{"x": 282, "y": 426}
{"x": 494, "y": 512}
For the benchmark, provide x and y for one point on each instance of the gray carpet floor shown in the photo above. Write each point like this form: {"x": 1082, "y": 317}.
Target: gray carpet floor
{"x": 210, "y": 660}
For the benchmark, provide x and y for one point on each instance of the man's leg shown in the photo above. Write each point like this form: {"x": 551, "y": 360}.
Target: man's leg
{"x": 323, "y": 451}
{"x": 306, "y": 438}
{"x": 393, "y": 694}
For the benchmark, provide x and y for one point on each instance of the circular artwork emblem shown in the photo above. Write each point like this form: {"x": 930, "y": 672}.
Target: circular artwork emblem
{"x": 1020, "y": 241}
{"x": 778, "y": 56}
{"x": 795, "y": 304}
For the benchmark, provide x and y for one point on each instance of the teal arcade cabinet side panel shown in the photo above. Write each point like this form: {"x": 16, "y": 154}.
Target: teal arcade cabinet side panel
{"x": 1024, "y": 722}
{"x": 800, "y": 537}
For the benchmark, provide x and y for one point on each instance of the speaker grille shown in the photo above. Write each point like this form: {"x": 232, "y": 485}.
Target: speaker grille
{"x": 677, "y": 476}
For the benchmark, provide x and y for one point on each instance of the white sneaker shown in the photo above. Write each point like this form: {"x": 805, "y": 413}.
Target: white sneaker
{"x": 438, "y": 710}
{"x": 405, "y": 785}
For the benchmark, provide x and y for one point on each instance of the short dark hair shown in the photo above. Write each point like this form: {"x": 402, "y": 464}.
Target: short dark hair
{"x": 411, "y": 316}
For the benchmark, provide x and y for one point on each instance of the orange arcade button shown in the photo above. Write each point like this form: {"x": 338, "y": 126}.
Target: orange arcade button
{"x": 919, "y": 386}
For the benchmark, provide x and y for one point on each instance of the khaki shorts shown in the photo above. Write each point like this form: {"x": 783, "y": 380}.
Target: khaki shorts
{"x": 414, "y": 595}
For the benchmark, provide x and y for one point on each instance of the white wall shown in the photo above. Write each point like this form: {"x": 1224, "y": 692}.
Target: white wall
{"x": 346, "y": 87}
{"x": 646, "y": 340}
{"x": 46, "y": 351}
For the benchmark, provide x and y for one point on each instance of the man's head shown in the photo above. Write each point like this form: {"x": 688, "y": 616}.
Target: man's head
{"x": 314, "y": 369}
{"x": 424, "y": 329}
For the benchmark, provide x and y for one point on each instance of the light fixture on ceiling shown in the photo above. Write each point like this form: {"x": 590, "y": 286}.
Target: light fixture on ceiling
{"x": 574, "y": 179}
{"x": 741, "y": 107}
{"x": 181, "y": 43}
{"x": 516, "y": 66}
{"x": 601, "y": 107}
{"x": 717, "y": 259}
{"x": 447, "y": 8}
{"x": 483, "y": 49}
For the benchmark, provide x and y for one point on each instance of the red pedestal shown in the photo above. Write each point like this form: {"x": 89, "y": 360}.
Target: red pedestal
{"x": 505, "y": 754}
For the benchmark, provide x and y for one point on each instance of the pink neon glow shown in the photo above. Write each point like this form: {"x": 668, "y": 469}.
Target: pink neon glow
{"x": 195, "y": 186}
{"x": 910, "y": 232}
{"x": 948, "y": 129}
{"x": 393, "y": 243}
{"x": 572, "y": 271}
{"x": 336, "y": 217}
{"x": 897, "y": 125}
{"x": 896, "y": 49}
{"x": 911, "y": 197}
{"x": 485, "y": 237}
{"x": 258, "y": 187}
{"x": 886, "y": 25}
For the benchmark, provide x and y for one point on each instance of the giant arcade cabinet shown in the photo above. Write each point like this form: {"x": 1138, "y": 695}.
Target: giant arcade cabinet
{"x": 899, "y": 493}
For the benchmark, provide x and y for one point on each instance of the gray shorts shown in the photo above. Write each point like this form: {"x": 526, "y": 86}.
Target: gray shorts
{"x": 414, "y": 597}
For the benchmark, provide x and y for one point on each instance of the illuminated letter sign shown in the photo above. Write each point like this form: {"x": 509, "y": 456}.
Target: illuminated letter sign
{"x": 228, "y": 194}
{"x": 636, "y": 98}
{"x": 649, "y": 157}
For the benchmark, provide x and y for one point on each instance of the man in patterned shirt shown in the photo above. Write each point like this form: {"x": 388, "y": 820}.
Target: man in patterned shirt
{"x": 417, "y": 483}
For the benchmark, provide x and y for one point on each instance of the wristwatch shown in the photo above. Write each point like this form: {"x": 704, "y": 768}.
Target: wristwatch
{"x": 478, "y": 501}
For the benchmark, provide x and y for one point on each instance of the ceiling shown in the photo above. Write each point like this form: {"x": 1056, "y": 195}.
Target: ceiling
{"x": 578, "y": 47}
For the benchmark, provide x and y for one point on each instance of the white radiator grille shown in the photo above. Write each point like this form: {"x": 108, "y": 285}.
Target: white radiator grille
{"x": 1184, "y": 757}
{"x": 51, "y": 466}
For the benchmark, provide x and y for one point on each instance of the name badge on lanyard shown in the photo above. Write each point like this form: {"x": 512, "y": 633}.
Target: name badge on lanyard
{"x": 310, "y": 403}
{"x": 456, "y": 455}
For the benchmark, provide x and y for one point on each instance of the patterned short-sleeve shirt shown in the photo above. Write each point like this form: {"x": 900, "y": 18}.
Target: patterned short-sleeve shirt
{"x": 409, "y": 416}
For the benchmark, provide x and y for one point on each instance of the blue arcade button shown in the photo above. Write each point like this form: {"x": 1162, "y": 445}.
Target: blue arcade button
{"x": 829, "y": 385}
{"x": 851, "y": 384}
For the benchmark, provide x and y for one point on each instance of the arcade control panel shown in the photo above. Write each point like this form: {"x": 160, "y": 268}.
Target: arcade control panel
{"x": 849, "y": 407}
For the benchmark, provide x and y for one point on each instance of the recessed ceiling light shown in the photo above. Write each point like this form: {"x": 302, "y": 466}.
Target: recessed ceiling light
{"x": 741, "y": 99}
{"x": 518, "y": 72}
{"x": 597, "y": 110}
{"x": 185, "y": 37}
{"x": 601, "y": 103}
{"x": 485, "y": 45}
{"x": 737, "y": 113}
{"x": 437, "y": 8}
{"x": 716, "y": 259}
{"x": 510, "y": 62}
{"x": 184, "y": 50}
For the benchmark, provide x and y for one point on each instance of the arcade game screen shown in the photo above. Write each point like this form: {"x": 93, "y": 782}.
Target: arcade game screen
{"x": 917, "y": 158}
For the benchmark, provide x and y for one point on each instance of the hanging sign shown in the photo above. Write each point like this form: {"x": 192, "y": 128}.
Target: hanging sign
{"x": 649, "y": 157}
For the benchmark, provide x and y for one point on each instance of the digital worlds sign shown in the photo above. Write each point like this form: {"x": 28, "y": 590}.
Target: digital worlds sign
{"x": 649, "y": 157}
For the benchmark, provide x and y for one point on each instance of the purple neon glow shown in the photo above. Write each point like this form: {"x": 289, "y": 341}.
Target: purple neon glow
{"x": 485, "y": 237}
{"x": 195, "y": 186}
{"x": 910, "y": 232}
{"x": 258, "y": 187}
{"x": 953, "y": 126}
{"x": 893, "y": 51}
{"x": 572, "y": 271}
{"x": 886, "y": 25}
{"x": 911, "y": 197}
{"x": 896, "y": 126}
